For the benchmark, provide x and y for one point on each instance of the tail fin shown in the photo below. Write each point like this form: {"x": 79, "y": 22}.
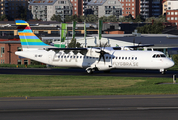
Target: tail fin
{"x": 28, "y": 39}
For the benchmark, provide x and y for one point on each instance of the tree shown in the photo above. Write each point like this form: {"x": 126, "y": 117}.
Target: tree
{"x": 3, "y": 17}
{"x": 56, "y": 18}
{"x": 68, "y": 19}
{"x": 112, "y": 18}
{"x": 128, "y": 18}
{"x": 175, "y": 58}
{"x": 74, "y": 44}
{"x": 74, "y": 17}
{"x": 104, "y": 19}
{"x": 139, "y": 18}
{"x": 91, "y": 18}
{"x": 161, "y": 18}
{"x": 152, "y": 29}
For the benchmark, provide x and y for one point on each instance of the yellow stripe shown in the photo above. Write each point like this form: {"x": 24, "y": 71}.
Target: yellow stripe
{"x": 26, "y": 34}
{"x": 22, "y": 24}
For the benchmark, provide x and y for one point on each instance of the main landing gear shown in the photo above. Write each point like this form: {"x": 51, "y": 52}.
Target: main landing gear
{"x": 89, "y": 71}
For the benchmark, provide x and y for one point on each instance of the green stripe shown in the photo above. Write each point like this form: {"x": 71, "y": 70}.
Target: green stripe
{"x": 30, "y": 40}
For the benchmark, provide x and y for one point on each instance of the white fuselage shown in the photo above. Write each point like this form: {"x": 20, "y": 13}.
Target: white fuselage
{"x": 117, "y": 59}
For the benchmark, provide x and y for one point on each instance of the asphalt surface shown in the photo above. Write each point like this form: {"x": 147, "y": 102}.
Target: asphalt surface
{"x": 123, "y": 107}
{"x": 128, "y": 107}
{"x": 123, "y": 73}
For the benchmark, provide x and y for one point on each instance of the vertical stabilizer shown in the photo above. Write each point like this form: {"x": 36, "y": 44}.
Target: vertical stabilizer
{"x": 28, "y": 39}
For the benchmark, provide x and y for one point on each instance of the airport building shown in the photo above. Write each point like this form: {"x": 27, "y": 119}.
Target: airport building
{"x": 8, "y": 49}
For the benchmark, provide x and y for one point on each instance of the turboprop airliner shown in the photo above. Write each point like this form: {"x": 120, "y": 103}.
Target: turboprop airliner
{"x": 90, "y": 59}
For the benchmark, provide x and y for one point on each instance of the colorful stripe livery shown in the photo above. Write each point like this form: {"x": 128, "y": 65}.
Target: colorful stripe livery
{"x": 27, "y": 38}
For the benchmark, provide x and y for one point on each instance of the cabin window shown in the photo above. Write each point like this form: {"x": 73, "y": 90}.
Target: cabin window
{"x": 113, "y": 57}
{"x": 64, "y": 56}
{"x": 126, "y": 58}
{"x": 80, "y": 56}
{"x": 74, "y": 56}
{"x": 132, "y": 58}
{"x": 61, "y": 56}
{"x": 93, "y": 57}
{"x": 129, "y": 58}
{"x": 122, "y": 57}
{"x": 90, "y": 57}
{"x": 87, "y": 57}
{"x": 116, "y": 57}
{"x": 135, "y": 58}
{"x": 67, "y": 56}
{"x": 106, "y": 57}
{"x": 119, "y": 57}
{"x": 70, "y": 56}
{"x": 77, "y": 56}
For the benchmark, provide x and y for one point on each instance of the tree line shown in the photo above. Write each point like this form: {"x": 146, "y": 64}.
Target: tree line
{"x": 112, "y": 18}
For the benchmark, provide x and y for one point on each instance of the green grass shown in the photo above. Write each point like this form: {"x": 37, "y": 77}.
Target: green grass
{"x": 175, "y": 67}
{"x": 30, "y": 85}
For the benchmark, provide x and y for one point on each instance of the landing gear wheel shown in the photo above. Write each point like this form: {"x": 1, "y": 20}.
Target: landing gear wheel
{"x": 89, "y": 71}
{"x": 163, "y": 72}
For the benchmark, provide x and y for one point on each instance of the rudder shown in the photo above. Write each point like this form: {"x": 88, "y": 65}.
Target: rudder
{"x": 27, "y": 38}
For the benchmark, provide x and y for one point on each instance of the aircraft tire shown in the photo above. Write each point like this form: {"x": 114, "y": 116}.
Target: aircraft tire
{"x": 89, "y": 71}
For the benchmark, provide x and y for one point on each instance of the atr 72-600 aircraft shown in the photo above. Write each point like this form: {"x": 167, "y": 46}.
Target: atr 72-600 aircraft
{"x": 91, "y": 59}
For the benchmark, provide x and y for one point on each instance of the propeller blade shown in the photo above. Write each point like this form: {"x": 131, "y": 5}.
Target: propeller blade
{"x": 103, "y": 58}
{"x": 105, "y": 45}
{"x": 99, "y": 58}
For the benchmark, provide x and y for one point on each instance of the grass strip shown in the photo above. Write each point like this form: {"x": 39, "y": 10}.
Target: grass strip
{"x": 31, "y": 85}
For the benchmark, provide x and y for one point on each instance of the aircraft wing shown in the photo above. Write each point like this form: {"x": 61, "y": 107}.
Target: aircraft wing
{"x": 136, "y": 46}
{"x": 67, "y": 49}
{"x": 74, "y": 50}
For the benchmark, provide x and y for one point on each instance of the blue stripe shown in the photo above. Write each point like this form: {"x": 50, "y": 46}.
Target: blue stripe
{"x": 34, "y": 43}
{"x": 24, "y": 31}
{"x": 28, "y": 37}
{"x": 20, "y": 21}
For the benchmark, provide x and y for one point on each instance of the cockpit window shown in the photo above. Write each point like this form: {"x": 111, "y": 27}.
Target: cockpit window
{"x": 159, "y": 55}
{"x": 162, "y": 55}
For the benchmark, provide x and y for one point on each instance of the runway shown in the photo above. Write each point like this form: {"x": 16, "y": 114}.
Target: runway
{"x": 124, "y": 107}
{"x": 74, "y": 71}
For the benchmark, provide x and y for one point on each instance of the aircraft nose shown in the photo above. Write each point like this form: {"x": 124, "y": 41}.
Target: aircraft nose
{"x": 170, "y": 63}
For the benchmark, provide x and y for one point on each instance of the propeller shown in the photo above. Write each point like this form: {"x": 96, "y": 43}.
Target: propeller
{"x": 102, "y": 52}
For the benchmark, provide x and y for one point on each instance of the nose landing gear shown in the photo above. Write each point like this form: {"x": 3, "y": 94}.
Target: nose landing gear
{"x": 162, "y": 71}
